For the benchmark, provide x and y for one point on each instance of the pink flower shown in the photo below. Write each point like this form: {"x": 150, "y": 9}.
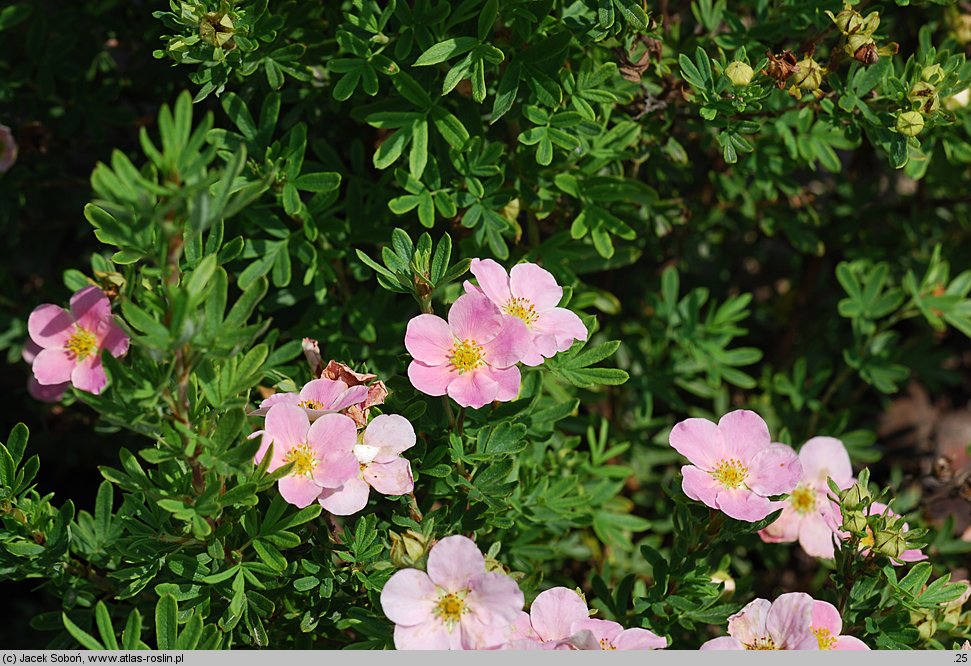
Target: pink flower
{"x": 49, "y": 393}
{"x": 456, "y": 605}
{"x": 317, "y": 397}
{"x": 472, "y": 357}
{"x": 71, "y": 342}
{"x": 735, "y": 466}
{"x": 809, "y": 515}
{"x": 8, "y": 149}
{"x": 784, "y": 624}
{"x": 531, "y": 294}
{"x": 380, "y": 465}
{"x": 376, "y": 390}
{"x": 826, "y": 626}
{"x": 878, "y": 509}
{"x": 559, "y": 620}
{"x": 319, "y": 461}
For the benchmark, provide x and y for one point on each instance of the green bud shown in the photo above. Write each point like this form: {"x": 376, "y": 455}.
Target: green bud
{"x": 856, "y": 42}
{"x": 933, "y": 74}
{"x": 854, "y": 521}
{"x": 408, "y": 549}
{"x": 216, "y": 29}
{"x": 849, "y": 21}
{"x": 740, "y": 73}
{"x": 889, "y": 542}
{"x": 910, "y": 123}
{"x": 925, "y": 624}
{"x": 855, "y": 496}
{"x": 924, "y": 94}
{"x": 809, "y": 74}
{"x": 871, "y": 23}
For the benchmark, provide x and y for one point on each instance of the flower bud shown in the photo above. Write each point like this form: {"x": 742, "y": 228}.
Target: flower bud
{"x": 809, "y": 74}
{"x": 408, "y": 549}
{"x": 855, "y": 496}
{"x": 889, "y": 542}
{"x": 925, "y": 624}
{"x": 933, "y": 74}
{"x": 216, "y": 29}
{"x": 854, "y": 521}
{"x": 910, "y": 123}
{"x": 849, "y": 21}
{"x": 925, "y": 95}
{"x": 740, "y": 73}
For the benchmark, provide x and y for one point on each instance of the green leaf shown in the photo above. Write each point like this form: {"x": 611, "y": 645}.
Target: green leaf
{"x": 84, "y": 638}
{"x": 167, "y": 623}
{"x": 444, "y": 50}
{"x": 323, "y": 181}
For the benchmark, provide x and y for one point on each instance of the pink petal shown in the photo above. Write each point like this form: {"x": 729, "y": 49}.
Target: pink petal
{"x": 535, "y": 284}
{"x": 535, "y": 354}
{"x": 429, "y": 635}
{"x": 564, "y": 325}
{"x": 700, "y": 441}
{"x": 554, "y": 612}
{"x": 700, "y": 486}
{"x": 323, "y": 391}
{"x": 30, "y": 351}
{"x": 742, "y": 504}
{"x": 353, "y": 395}
{"x": 639, "y": 639}
{"x": 849, "y": 643}
{"x": 48, "y": 392}
{"x": 88, "y": 375}
{"x": 390, "y": 478}
{"x": 478, "y": 636}
{"x": 816, "y": 538}
{"x": 744, "y": 433}
{"x": 113, "y": 339}
{"x": 474, "y": 388}
{"x": 774, "y": 470}
{"x": 824, "y": 457}
{"x": 785, "y": 529}
{"x": 601, "y": 629}
{"x": 90, "y": 308}
{"x": 474, "y": 317}
{"x": 495, "y": 599}
{"x": 825, "y": 616}
{"x": 722, "y": 643}
{"x": 789, "y": 619}
{"x": 275, "y": 399}
{"x": 298, "y": 490}
{"x": 912, "y": 555}
{"x": 749, "y": 624}
{"x": 53, "y": 366}
{"x": 472, "y": 289}
{"x": 286, "y": 426}
{"x": 333, "y": 437}
{"x": 346, "y": 500}
{"x": 431, "y": 379}
{"x": 409, "y": 597}
{"x": 392, "y": 434}
{"x": 492, "y": 279}
{"x": 522, "y": 628}
{"x": 509, "y": 381}
{"x": 509, "y": 345}
{"x": 429, "y": 339}
{"x": 453, "y": 562}
{"x": 50, "y": 326}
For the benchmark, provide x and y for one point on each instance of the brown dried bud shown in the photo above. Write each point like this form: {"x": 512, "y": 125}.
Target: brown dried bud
{"x": 867, "y": 54}
{"x": 781, "y": 66}
{"x": 925, "y": 95}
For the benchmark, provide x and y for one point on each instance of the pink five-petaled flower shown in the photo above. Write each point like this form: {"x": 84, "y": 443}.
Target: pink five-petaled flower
{"x": 317, "y": 397}
{"x": 809, "y": 515}
{"x": 472, "y": 357}
{"x": 380, "y": 465}
{"x": 318, "y": 460}
{"x": 531, "y": 294}
{"x": 71, "y": 342}
{"x": 735, "y": 466}
{"x": 559, "y": 619}
{"x": 826, "y": 626}
{"x": 911, "y": 555}
{"x": 456, "y": 605}
{"x": 784, "y": 624}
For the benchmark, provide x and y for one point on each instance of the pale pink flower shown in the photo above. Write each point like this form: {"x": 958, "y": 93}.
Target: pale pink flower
{"x": 376, "y": 390}
{"x": 456, "y": 605}
{"x": 878, "y": 509}
{"x": 735, "y": 466}
{"x": 559, "y": 620}
{"x": 826, "y": 626}
{"x": 71, "y": 342}
{"x": 380, "y": 465}
{"x": 319, "y": 460}
{"x": 810, "y": 516}
{"x": 48, "y": 393}
{"x": 531, "y": 294}
{"x": 317, "y": 397}
{"x": 784, "y": 624}
{"x": 472, "y": 357}
{"x": 8, "y": 149}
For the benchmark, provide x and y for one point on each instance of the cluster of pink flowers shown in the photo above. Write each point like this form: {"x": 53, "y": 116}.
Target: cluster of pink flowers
{"x": 794, "y": 621}
{"x": 65, "y": 347}
{"x": 317, "y": 431}
{"x": 507, "y": 319}
{"x": 736, "y": 468}
{"x": 456, "y": 604}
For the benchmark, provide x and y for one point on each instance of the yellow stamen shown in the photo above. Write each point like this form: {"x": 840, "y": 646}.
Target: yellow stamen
{"x": 450, "y": 608}
{"x": 522, "y": 308}
{"x": 730, "y": 473}
{"x": 763, "y": 643}
{"x": 826, "y": 640}
{"x": 867, "y": 541}
{"x": 304, "y": 460}
{"x": 310, "y": 404}
{"x": 466, "y": 356}
{"x": 606, "y": 645}
{"x": 803, "y": 499}
{"x": 82, "y": 343}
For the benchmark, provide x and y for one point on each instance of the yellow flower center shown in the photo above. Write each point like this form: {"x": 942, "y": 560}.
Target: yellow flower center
{"x": 450, "y": 608}
{"x": 304, "y": 460}
{"x": 522, "y": 308}
{"x": 730, "y": 473}
{"x": 803, "y": 499}
{"x": 867, "y": 541}
{"x": 310, "y": 404}
{"x": 762, "y": 643}
{"x": 82, "y": 343}
{"x": 606, "y": 645}
{"x": 826, "y": 640}
{"x": 466, "y": 356}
